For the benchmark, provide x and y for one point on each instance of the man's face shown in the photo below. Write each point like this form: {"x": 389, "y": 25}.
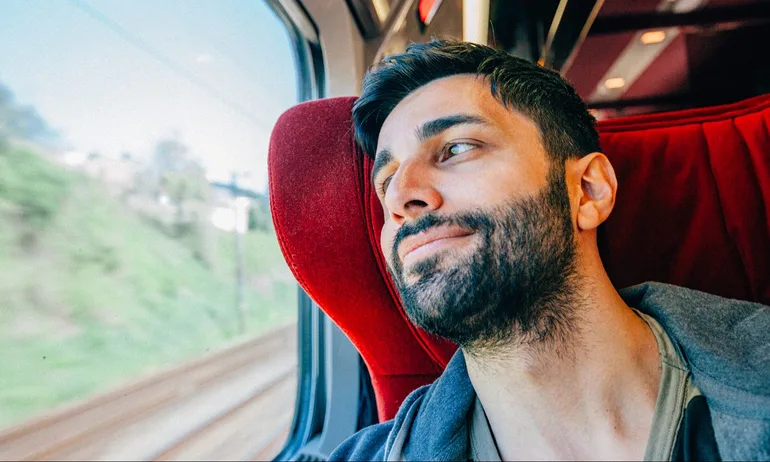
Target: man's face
{"x": 478, "y": 232}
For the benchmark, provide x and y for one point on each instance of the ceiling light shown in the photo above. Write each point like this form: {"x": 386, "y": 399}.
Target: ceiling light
{"x": 653, "y": 36}
{"x": 614, "y": 83}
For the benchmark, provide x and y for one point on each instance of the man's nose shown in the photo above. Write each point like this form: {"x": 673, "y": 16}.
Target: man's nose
{"x": 411, "y": 193}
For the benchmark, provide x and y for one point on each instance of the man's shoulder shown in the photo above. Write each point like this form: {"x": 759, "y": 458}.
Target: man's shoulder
{"x": 367, "y": 444}
{"x": 698, "y": 316}
{"x": 727, "y": 347}
{"x": 389, "y": 439}
{"x": 662, "y": 294}
{"x": 724, "y": 340}
{"x": 371, "y": 443}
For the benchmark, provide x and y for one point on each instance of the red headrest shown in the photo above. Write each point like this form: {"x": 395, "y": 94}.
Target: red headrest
{"x": 693, "y": 209}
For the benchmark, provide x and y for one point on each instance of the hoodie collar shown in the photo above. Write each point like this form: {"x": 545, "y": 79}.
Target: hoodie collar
{"x": 442, "y": 424}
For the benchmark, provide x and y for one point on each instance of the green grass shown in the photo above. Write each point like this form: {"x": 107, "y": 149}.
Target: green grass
{"x": 91, "y": 295}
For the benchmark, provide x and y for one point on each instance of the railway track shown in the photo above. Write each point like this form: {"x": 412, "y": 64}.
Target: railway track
{"x": 236, "y": 404}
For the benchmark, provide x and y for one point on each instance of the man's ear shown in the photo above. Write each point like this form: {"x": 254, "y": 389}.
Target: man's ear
{"x": 598, "y": 186}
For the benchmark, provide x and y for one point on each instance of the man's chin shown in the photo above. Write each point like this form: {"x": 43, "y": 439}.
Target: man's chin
{"x": 431, "y": 268}
{"x": 431, "y": 292}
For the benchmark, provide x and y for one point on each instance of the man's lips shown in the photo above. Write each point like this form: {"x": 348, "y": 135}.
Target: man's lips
{"x": 424, "y": 238}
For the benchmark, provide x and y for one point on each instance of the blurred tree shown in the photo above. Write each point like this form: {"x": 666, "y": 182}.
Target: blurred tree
{"x": 34, "y": 186}
{"x": 182, "y": 180}
{"x": 180, "y": 177}
{"x": 30, "y": 186}
{"x": 23, "y": 121}
{"x": 259, "y": 214}
{"x": 171, "y": 155}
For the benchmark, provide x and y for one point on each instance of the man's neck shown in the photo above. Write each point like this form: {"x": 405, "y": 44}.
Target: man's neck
{"x": 591, "y": 398}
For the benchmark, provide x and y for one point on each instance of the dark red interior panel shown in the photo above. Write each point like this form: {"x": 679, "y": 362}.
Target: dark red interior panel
{"x": 594, "y": 59}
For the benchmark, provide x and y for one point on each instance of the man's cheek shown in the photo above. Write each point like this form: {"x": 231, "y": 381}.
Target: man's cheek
{"x": 386, "y": 243}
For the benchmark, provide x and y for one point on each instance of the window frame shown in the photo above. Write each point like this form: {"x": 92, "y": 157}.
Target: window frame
{"x": 334, "y": 393}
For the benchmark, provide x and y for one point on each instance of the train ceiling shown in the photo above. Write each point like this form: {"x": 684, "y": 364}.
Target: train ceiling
{"x": 629, "y": 56}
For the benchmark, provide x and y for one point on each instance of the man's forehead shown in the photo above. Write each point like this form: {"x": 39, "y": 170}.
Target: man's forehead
{"x": 457, "y": 94}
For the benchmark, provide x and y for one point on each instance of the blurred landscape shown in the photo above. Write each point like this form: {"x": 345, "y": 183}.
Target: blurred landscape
{"x": 114, "y": 267}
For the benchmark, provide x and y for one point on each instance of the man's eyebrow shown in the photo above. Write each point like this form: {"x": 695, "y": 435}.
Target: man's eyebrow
{"x": 382, "y": 159}
{"x": 427, "y": 131}
{"x": 434, "y": 127}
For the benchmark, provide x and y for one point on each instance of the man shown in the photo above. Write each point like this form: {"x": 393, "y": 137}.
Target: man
{"x": 491, "y": 179}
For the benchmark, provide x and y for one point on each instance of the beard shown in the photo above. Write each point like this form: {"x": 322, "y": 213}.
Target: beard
{"x": 516, "y": 286}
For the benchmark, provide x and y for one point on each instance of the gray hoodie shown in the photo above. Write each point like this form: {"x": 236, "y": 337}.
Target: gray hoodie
{"x": 726, "y": 343}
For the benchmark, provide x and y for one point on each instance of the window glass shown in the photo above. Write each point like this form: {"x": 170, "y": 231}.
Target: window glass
{"x": 139, "y": 268}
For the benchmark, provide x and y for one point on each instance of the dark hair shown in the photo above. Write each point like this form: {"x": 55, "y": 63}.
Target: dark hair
{"x": 567, "y": 128}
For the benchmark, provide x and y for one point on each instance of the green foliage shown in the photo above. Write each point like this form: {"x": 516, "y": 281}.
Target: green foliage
{"x": 178, "y": 176}
{"x": 259, "y": 217}
{"x": 106, "y": 296}
{"x": 185, "y": 186}
{"x": 31, "y": 184}
{"x": 181, "y": 177}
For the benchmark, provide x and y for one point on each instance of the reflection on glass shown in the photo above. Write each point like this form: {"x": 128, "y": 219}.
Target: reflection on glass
{"x": 135, "y": 232}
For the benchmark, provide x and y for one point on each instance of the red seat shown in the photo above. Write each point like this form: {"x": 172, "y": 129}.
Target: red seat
{"x": 693, "y": 209}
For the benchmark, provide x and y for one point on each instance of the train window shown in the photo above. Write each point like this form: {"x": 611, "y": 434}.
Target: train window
{"x": 146, "y": 310}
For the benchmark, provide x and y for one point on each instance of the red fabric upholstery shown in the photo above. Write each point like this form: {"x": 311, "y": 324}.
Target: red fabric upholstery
{"x": 693, "y": 206}
{"x": 327, "y": 218}
{"x": 693, "y": 209}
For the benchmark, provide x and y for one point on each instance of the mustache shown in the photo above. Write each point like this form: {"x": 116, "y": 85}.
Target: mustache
{"x": 471, "y": 221}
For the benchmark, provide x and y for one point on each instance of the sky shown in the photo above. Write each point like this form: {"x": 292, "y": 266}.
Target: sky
{"x": 117, "y": 76}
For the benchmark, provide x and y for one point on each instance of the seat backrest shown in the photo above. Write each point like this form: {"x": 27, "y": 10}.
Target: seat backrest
{"x": 693, "y": 209}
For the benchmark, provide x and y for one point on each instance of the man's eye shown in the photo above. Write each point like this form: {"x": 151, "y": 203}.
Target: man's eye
{"x": 383, "y": 186}
{"x": 455, "y": 149}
